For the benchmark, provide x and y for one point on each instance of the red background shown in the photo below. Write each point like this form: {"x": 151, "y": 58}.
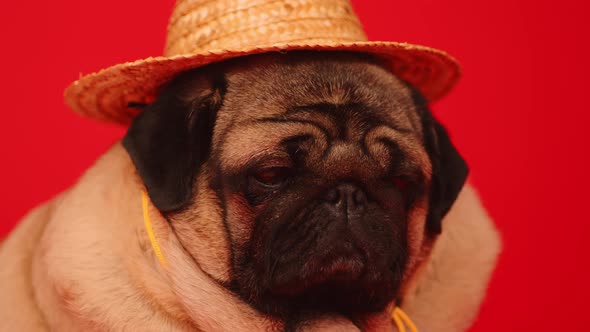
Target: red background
{"x": 519, "y": 116}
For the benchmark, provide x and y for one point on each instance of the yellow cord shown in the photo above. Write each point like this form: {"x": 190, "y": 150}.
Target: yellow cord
{"x": 401, "y": 320}
{"x": 148, "y": 227}
{"x": 399, "y": 317}
{"x": 398, "y": 321}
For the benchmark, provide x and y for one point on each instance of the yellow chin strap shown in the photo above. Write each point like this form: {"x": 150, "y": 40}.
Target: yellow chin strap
{"x": 401, "y": 320}
{"x": 149, "y": 229}
{"x": 399, "y": 317}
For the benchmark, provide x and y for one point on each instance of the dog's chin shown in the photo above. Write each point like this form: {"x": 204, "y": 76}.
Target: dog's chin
{"x": 341, "y": 284}
{"x": 338, "y": 279}
{"x": 333, "y": 271}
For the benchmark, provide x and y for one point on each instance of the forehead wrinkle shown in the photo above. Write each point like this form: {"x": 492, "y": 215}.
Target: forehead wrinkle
{"x": 268, "y": 84}
{"x": 407, "y": 142}
{"x": 312, "y": 122}
{"x": 247, "y": 142}
{"x": 344, "y": 160}
{"x": 355, "y": 112}
{"x": 321, "y": 119}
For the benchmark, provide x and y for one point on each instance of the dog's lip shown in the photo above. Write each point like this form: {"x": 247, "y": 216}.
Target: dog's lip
{"x": 342, "y": 269}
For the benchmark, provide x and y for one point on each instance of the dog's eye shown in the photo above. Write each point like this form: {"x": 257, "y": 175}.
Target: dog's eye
{"x": 272, "y": 176}
{"x": 401, "y": 182}
{"x": 405, "y": 183}
{"x": 409, "y": 186}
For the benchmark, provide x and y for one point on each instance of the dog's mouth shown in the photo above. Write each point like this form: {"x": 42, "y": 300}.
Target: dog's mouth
{"x": 333, "y": 271}
{"x": 337, "y": 277}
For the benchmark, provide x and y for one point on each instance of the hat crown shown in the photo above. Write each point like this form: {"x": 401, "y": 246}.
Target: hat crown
{"x": 198, "y": 26}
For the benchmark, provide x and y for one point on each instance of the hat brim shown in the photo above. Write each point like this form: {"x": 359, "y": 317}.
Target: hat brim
{"x": 105, "y": 95}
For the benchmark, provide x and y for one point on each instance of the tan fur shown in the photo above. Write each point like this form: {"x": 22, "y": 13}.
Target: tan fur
{"x": 82, "y": 263}
{"x": 203, "y": 236}
{"x": 446, "y": 295}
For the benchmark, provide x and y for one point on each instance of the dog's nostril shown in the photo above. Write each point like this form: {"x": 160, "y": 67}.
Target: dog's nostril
{"x": 333, "y": 196}
{"x": 360, "y": 197}
{"x": 347, "y": 198}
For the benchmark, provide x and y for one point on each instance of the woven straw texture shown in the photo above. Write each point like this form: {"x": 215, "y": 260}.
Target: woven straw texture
{"x": 206, "y": 31}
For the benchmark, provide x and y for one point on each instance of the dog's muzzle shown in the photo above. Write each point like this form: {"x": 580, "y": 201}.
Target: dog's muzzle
{"x": 340, "y": 254}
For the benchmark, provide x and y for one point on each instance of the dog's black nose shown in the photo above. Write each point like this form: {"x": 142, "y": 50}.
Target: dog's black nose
{"x": 347, "y": 198}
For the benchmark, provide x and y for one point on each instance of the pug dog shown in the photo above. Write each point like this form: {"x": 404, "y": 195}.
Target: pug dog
{"x": 298, "y": 191}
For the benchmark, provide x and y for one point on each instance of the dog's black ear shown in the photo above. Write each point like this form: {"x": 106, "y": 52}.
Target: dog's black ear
{"x": 449, "y": 170}
{"x": 171, "y": 138}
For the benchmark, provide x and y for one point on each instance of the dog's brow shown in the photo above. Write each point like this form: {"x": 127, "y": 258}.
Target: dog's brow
{"x": 333, "y": 110}
{"x": 393, "y": 148}
{"x": 316, "y": 124}
{"x": 324, "y": 107}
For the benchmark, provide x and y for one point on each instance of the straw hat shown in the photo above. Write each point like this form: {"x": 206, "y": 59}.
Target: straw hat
{"x": 201, "y": 32}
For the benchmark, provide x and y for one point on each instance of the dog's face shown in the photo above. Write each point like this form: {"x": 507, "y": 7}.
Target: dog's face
{"x": 302, "y": 181}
